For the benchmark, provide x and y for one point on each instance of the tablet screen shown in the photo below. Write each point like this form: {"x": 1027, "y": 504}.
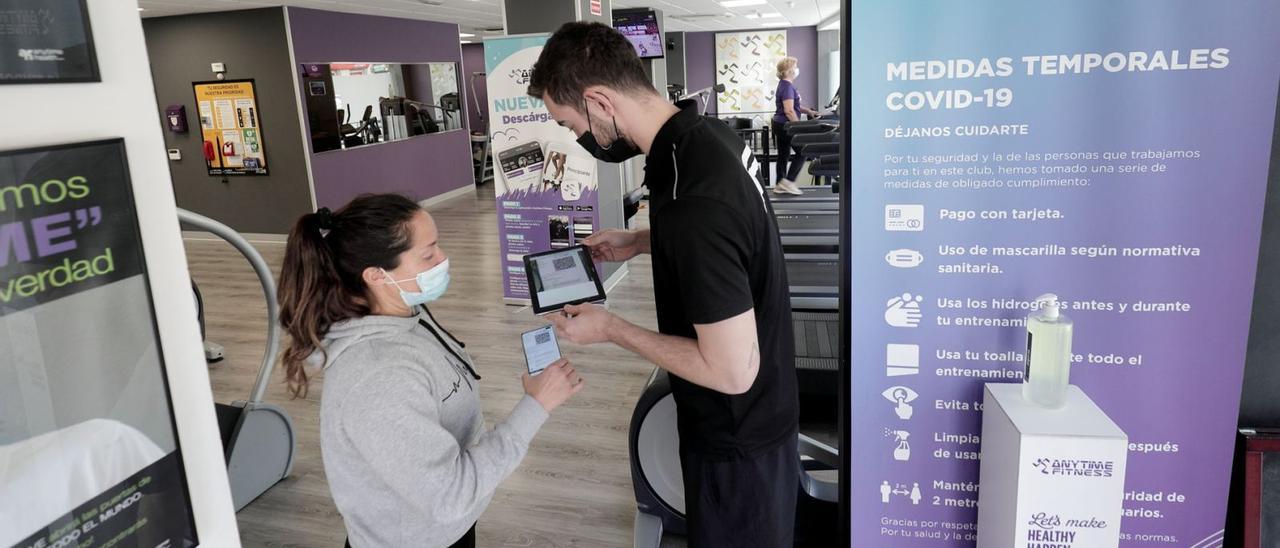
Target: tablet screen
{"x": 560, "y": 277}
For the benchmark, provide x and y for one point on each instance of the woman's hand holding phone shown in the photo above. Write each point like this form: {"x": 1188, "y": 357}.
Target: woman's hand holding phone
{"x": 554, "y": 385}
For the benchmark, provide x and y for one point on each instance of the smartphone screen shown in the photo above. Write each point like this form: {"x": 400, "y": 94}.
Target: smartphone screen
{"x": 540, "y": 348}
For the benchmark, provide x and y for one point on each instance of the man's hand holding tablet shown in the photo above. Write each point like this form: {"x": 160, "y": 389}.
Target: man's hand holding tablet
{"x": 583, "y": 323}
{"x": 616, "y": 246}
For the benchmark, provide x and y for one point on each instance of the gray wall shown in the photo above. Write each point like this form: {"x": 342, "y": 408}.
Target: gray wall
{"x": 584, "y": 7}
{"x": 473, "y": 61}
{"x": 675, "y": 59}
{"x": 525, "y": 17}
{"x": 252, "y": 43}
{"x": 828, "y": 46}
{"x": 1259, "y": 405}
{"x": 530, "y": 17}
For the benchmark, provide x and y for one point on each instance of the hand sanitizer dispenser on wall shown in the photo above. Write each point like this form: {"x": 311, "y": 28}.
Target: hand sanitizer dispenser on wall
{"x": 175, "y": 118}
{"x": 1048, "y": 366}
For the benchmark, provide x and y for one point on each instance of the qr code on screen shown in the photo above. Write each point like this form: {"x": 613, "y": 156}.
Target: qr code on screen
{"x": 563, "y": 263}
{"x": 542, "y": 338}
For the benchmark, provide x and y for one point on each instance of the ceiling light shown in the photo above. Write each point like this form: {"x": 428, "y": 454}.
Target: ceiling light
{"x": 758, "y": 15}
{"x": 466, "y": 35}
{"x": 465, "y": 41}
{"x": 142, "y": 9}
{"x": 741, "y": 3}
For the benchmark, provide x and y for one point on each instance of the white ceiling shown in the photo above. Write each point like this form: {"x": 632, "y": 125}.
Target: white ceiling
{"x": 681, "y": 15}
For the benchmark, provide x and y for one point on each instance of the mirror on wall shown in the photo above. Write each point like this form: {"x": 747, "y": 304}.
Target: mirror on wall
{"x": 353, "y": 104}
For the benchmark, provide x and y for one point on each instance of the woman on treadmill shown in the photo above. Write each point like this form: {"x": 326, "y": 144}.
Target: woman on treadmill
{"x": 407, "y": 456}
{"x": 789, "y": 109}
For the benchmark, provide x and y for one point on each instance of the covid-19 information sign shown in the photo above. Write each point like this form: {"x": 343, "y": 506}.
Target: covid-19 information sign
{"x": 1113, "y": 153}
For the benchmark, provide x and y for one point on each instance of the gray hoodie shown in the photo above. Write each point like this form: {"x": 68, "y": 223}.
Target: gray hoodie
{"x": 408, "y": 459}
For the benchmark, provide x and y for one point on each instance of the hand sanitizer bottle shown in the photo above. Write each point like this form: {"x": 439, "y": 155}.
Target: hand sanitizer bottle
{"x": 1048, "y": 363}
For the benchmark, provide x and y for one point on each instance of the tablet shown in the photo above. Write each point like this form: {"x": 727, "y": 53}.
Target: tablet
{"x": 540, "y": 348}
{"x": 560, "y": 277}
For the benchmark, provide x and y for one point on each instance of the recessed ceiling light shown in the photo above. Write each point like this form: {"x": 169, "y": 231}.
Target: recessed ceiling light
{"x": 466, "y": 41}
{"x": 465, "y": 35}
{"x": 741, "y": 3}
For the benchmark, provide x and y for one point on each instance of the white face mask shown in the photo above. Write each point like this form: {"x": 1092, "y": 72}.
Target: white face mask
{"x": 795, "y": 73}
{"x": 431, "y": 284}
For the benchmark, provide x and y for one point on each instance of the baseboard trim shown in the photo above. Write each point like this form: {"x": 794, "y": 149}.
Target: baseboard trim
{"x": 455, "y": 193}
{"x": 616, "y": 278}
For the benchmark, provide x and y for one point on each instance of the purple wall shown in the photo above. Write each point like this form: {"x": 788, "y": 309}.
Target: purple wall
{"x": 700, "y": 61}
{"x": 422, "y": 167}
{"x": 473, "y": 61}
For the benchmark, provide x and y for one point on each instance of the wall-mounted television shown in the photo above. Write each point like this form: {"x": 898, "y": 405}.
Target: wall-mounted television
{"x": 641, "y": 29}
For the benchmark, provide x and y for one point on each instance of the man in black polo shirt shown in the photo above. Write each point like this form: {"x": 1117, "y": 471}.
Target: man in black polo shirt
{"x": 720, "y": 283}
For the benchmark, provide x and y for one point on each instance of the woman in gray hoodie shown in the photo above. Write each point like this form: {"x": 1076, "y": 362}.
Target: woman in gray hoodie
{"x": 405, "y": 450}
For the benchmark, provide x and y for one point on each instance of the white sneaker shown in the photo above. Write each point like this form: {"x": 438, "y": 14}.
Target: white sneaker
{"x": 786, "y": 186}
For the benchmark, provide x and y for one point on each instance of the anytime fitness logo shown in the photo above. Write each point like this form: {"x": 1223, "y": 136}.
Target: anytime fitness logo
{"x": 1075, "y": 468}
{"x": 521, "y": 75}
{"x": 41, "y": 54}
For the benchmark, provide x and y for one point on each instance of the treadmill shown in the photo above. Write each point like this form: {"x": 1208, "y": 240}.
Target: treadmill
{"x": 815, "y": 197}
{"x": 809, "y": 230}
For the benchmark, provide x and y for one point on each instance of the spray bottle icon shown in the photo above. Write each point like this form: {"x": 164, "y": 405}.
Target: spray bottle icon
{"x": 903, "y": 451}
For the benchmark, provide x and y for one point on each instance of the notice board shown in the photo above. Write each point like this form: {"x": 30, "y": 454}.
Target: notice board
{"x": 231, "y": 126}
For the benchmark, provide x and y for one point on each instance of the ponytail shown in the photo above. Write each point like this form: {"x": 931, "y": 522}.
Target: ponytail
{"x": 321, "y": 280}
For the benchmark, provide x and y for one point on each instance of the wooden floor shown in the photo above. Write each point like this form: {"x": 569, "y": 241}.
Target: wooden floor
{"x": 573, "y": 488}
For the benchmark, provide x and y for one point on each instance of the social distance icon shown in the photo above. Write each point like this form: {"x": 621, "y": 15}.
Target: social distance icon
{"x": 904, "y": 258}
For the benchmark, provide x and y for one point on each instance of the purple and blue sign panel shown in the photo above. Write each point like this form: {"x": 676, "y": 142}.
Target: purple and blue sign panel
{"x": 545, "y": 184}
{"x": 1114, "y": 154}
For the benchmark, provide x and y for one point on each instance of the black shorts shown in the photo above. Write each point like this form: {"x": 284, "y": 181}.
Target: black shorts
{"x": 467, "y": 541}
{"x": 748, "y": 502}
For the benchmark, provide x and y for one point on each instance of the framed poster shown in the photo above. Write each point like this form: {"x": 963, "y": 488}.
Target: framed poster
{"x": 46, "y": 41}
{"x": 747, "y": 65}
{"x": 89, "y": 453}
{"x": 231, "y": 126}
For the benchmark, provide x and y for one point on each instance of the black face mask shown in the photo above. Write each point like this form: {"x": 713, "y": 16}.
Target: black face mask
{"x": 617, "y": 152}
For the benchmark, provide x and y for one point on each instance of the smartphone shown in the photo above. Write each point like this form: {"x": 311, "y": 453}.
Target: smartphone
{"x": 540, "y": 348}
{"x": 521, "y": 165}
{"x": 558, "y": 229}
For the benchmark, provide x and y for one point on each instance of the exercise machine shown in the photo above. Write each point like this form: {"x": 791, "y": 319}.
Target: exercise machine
{"x": 659, "y": 484}
{"x": 808, "y": 230}
{"x": 819, "y": 197}
{"x": 257, "y": 438}
{"x": 704, "y": 95}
